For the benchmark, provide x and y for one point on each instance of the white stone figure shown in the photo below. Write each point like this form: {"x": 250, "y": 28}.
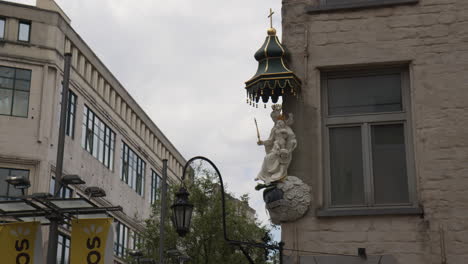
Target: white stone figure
{"x": 278, "y": 147}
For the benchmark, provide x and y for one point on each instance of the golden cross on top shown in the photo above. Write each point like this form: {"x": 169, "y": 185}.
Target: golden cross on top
{"x": 271, "y": 17}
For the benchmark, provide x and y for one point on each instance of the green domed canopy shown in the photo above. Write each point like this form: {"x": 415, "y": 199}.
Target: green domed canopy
{"x": 272, "y": 79}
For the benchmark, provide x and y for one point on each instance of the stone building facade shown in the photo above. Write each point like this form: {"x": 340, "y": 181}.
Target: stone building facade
{"x": 111, "y": 142}
{"x": 382, "y": 130}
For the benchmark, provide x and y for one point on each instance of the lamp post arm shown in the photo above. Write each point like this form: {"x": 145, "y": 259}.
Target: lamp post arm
{"x": 223, "y": 203}
{"x": 223, "y": 207}
{"x": 246, "y": 254}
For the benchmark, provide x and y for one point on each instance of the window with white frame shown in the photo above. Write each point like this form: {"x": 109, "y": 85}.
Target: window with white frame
{"x": 367, "y": 138}
{"x": 97, "y": 138}
{"x": 132, "y": 169}
{"x": 155, "y": 186}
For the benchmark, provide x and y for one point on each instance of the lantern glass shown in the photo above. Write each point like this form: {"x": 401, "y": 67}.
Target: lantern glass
{"x": 182, "y": 212}
{"x": 188, "y": 215}
{"x": 179, "y": 216}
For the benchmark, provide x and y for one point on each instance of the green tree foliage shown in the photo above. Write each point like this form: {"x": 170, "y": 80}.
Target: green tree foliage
{"x": 205, "y": 242}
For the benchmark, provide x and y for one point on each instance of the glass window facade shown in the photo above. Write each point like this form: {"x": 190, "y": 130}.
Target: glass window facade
{"x": 63, "y": 249}
{"x": 155, "y": 186}
{"x": 14, "y": 91}
{"x": 132, "y": 169}
{"x": 65, "y": 191}
{"x": 71, "y": 113}
{"x": 97, "y": 138}
{"x": 120, "y": 239}
{"x": 137, "y": 241}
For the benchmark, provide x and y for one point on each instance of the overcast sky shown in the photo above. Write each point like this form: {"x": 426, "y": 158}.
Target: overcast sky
{"x": 185, "y": 62}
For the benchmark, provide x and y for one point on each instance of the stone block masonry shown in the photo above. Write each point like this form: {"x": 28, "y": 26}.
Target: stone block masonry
{"x": 431, "y": 39}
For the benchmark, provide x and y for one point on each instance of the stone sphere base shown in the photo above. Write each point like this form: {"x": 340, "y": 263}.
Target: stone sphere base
{"x": 288, "y": 200}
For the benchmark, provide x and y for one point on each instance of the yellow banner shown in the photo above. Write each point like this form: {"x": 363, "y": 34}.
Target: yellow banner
{"x": 21, "y": 243}
{"x": 92, "y": 241}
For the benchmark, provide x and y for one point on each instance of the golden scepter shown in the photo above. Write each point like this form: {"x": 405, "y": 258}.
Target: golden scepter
{"x": 258, "y": 133}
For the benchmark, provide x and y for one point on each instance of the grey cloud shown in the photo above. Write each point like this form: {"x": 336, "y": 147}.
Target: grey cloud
{"x": 186, "y": 63}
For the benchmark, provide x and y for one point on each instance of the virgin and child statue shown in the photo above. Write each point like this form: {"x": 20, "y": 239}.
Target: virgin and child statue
{"x": 278, "y": 147}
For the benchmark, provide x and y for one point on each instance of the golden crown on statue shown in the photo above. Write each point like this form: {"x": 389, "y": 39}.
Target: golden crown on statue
{"x": 277, "y": 107}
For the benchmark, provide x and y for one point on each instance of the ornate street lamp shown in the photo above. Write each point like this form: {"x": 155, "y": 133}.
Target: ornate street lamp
{"x": 182, "y": 212}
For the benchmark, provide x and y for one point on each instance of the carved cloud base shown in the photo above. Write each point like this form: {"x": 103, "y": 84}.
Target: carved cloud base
{"x": 288, "y": 201}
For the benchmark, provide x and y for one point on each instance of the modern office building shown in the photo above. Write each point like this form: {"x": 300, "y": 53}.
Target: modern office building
{"x": 111, "y": 142}
{"x": 382, "y": 130}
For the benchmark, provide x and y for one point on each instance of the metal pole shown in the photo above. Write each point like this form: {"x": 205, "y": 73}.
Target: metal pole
{"x": 163, "y": 211}
{"x": 281, "y": 245}
{"x": 54, "y": 221}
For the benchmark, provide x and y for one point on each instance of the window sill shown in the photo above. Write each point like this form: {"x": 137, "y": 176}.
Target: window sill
{"x": 353, "y": 6}
{"x": 329, "y": 212}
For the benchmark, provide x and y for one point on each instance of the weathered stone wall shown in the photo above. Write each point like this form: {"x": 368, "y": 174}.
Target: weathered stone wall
{"x": 432, "y": 38}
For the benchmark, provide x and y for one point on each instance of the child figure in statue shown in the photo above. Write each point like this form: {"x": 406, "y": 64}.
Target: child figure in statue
{"x": 278, "y": 147}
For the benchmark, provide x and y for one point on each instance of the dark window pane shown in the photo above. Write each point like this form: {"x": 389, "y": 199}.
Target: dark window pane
{"x": 133, "y": 169}
{"x": 7, "y": 72}
{"x": 4, "y": 174}
{"x": 23, "y": 33}
{"x": 389, "y": 164}
{"x": 23, "y": 173}
{"x": 70, "y": 125}
{"x": 2, "y": 28}
{"x": 20, "y": 104}
{"x": 6, "y": 97}
{"x": 365, "y": 94}
{"x": 22, "y": 85}
{"x": 6, "y": 82}
{"x": 23, "y": 74}
{"x": 346, "y": 169}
